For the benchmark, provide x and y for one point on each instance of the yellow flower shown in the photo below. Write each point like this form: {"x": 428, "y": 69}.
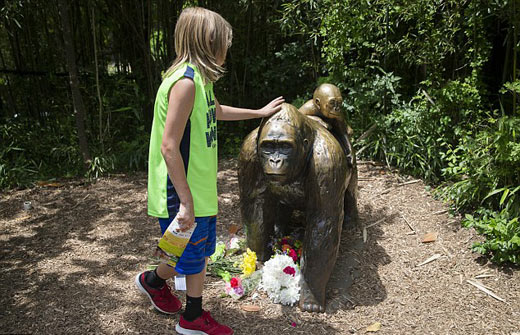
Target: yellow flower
{"x": 248, "y": 265}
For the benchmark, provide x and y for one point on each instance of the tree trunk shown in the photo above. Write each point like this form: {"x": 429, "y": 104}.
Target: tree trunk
{"x": 77, "y": 100}
{"x": 98, "y": 90}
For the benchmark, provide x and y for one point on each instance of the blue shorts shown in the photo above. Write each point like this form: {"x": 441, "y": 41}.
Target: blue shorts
{"x": 202, "y": 244}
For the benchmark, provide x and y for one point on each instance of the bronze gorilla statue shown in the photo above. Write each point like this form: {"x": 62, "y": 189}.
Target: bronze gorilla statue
{"x": 293, "y": 163}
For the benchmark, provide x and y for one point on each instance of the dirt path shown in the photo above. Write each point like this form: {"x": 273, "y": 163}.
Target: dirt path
{"x": 69, "y": 263}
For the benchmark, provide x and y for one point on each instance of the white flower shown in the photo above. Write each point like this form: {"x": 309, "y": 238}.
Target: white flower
{"x": 280, "y": 286}
{"x": 233, "y": 243}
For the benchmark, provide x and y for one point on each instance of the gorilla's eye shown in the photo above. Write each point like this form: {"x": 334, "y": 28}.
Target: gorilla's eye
{"x": 285, "y": 146}
{"x": 267, "y": 146}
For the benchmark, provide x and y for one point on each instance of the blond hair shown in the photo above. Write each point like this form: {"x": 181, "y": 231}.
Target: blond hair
{"x": 202, "y": 38}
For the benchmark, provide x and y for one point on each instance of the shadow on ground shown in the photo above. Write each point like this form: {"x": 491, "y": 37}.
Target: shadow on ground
{"x": 355, "y": 280}
{"x": 60, "y": 263}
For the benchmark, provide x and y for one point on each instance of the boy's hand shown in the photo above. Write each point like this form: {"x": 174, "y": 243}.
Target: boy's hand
{"x": 185, "y": 217}
{"x": 272, "y": 107}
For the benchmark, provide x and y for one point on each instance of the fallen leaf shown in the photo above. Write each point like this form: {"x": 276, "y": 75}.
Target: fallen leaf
{"x": 233, "y": 229}
{"x": 430, "y": 237}
{"x": 49, "y": 184}
{"x": 250, "y": 308}
{"x": 374, "y": 327}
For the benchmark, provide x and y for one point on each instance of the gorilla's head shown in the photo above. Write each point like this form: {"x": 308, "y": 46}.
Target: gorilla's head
{"x": 284, "y": 142}
{"x": 327, "y": 99}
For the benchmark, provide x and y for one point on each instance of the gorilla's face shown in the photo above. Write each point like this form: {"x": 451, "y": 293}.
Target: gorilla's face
{"x": 328, "y": 100}
{"x": 331, "y": 107}
{"x": 279, "y": 152}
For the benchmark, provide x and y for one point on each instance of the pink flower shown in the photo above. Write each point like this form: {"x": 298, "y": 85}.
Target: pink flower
{"x": 239, "y": 290}
{"x": 293, "y": 255}
{"x": 289, "y": 270}
{"x": 236, "y": 291}
{"x": 293, "y": 324}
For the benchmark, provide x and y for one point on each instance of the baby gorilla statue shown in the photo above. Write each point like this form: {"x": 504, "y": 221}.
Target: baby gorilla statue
{"x": 325, "y": 108}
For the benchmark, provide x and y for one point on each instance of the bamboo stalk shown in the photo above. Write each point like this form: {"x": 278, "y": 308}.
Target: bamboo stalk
{"x": 97, "y": 83}
{"x": 484, "y": 289}
{"x": 514, "y": 53}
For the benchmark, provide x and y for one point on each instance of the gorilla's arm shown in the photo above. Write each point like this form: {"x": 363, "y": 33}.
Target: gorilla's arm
{"x": 252, "y": 188}
{"x": 340, "y": 130}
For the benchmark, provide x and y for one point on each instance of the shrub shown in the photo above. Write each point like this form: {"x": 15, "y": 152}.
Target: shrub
{"x": 502, "y": 234}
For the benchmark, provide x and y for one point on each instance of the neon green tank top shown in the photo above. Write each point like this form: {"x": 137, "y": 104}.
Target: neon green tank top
{"x": 198, "y": 149}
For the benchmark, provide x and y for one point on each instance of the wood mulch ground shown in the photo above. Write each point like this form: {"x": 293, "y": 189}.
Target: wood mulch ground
{"x": 68, "y": 265}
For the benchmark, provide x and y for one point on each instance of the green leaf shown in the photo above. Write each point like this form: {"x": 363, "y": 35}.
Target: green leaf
{"x": 504, "y": 196}
{"x": 516, "y": 189}
{"x": 122, "y": 109}
{"x": 492, "y": 193}
{"x": 515, "y": 240}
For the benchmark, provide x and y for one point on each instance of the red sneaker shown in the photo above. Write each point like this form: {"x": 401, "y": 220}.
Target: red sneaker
{"x": 162, "y": 299}
{"x": 203, "y": 325}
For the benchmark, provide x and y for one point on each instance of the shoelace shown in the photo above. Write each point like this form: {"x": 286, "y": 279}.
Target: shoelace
{"x": 162, "y": 294}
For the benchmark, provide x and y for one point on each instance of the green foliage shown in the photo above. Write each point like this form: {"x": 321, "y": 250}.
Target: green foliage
{"x": 98, "y": 167}
{"x": 15, "y": 170}
{"x": 37, "y": 152}
{"x": 415, "y": 136}
{"x": 132, "y": 154}
{"x": 484, "y": 172}
{"x": 485, "y": 168}
{"x": 229, "y": 146}
{"x": 502, "y": 234}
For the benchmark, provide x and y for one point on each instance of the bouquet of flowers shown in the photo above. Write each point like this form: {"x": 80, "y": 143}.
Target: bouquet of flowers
{"x": 234, "y": 288}
{"x": 289, "y": 246}
{"x": 248, "y": 264}
{"x": 227, "y": 264}
{"x": 281, "y": 279}
{"x": 222, "y": 263}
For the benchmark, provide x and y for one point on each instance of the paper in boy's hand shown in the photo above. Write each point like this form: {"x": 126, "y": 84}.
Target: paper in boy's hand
{"x": 173, "y": 242}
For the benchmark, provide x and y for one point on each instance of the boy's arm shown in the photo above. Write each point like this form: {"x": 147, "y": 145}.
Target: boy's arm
{"x": 180, "y": 104}
{"x": 229, "y": 113}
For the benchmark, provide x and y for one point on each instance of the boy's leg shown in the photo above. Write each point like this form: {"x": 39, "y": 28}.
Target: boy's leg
{"x": 164, "y": 271}
{"x": 194, "y": 288}
{"x": 195, "y": 283}
{"x": 153, "y": 283}
{"x": 195, "y": 320}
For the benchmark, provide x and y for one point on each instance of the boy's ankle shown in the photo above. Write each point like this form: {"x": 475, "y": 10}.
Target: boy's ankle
{"x": 153, "y": 280}
{"x": 193, "y": 308}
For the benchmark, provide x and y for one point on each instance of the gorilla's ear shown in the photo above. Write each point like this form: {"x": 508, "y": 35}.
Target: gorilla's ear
{"x": 317, "y": 103}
